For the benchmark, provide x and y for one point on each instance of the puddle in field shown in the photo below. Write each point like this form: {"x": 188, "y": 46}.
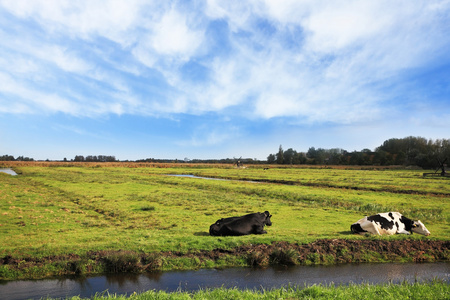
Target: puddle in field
{"x": 193, "y": 176}
{"x": 242, "y": 278}
{"x": 209, "y": 178}
{"x": 8, "y": 171}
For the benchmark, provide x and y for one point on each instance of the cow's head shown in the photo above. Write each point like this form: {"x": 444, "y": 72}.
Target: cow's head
{"x": 267, "y": 221}
{"x": 214, "y": 229}
{"x": 418, "y": 227}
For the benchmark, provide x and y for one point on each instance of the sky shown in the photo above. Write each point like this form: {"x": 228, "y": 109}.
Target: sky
{"x": 211, "y": 79}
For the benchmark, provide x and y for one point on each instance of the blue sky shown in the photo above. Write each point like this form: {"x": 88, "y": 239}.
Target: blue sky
{"x": 219, "y": 79}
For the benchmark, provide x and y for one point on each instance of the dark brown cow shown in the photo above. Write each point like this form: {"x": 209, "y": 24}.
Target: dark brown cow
{"x": 249, "y": 224}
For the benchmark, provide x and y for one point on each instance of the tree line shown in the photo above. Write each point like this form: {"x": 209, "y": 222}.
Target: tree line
{"x": 78, "y": 158}
{"x": 417, "y": 151}
{"x": 11, "y": 158}
{"x": 95, "y": 158}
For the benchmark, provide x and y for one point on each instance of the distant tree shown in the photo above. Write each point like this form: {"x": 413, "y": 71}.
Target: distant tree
{"x": 311, "y": 153}
{"x": 79, "y": 158}
{"x": 380, "y": 158}
{"x": 407, "y": 151}
{"x": 301, "y": 158}
{"x": 298, "y": 158}
{"x": 334, "y": 156}
{"x": 400, "y": 158}
{"x": 95, "y": 158}
{"x": 21, "y": 158}
{"x": 7, "y": 158}
{"x": 415, "y": 151}
{"x": 317, "y": 156}
{"x": 280, "y": 156}
{"x": 289, "y": 156}
{"x": 355, "y": 158}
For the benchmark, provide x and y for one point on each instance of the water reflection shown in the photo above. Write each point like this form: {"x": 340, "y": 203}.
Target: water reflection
{"x": 8, "y": 171}
{"x": 237, "y": 277}
{"x": 209, "y": 178}
{"x": 194, "y": 176}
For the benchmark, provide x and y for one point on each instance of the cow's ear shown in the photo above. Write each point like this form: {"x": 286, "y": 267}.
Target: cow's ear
{"x": 415, "y": 225}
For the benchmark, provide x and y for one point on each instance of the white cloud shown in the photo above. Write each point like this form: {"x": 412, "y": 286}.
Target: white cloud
{"x": 172, "y": 36}
{"x": 38, "y": 52}
{"x": 33, "y": 99}
{"x": 236, "y": 13}
{"x": 21, "y": 66}
{"x": 111, "y": 19}
{"x": 211, "y": 135}
{"x": 317, "y": 61}
{"x": 63, "y": 58}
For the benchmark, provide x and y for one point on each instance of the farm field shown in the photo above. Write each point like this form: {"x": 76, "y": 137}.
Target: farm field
{"x": 75, "y": 213}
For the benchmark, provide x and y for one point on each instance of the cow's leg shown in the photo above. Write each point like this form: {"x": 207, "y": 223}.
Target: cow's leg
{"x": 356, "y": 228}
{"x": 403, "y": 232}
{"x": 376, "y": 228}
{"x": 258, "y": 229}
{"x": 228, "y": 231}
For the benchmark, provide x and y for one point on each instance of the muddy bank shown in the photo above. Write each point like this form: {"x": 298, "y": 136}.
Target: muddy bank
{"x": 332, "y": 252}
{"x": 336, "y": 251}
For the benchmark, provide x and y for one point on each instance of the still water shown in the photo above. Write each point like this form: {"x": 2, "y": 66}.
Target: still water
{"x": 8, "y": 171}
{"x": 194, "y": 176}
{"x": 236, "y": 277}
{"x": 209, "y": 178}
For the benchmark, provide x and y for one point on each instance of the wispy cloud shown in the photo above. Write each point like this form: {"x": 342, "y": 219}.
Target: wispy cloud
{"x": 311, "y": 62}
{"x": 210, "y": 135}
{"x": 311, "y": 59}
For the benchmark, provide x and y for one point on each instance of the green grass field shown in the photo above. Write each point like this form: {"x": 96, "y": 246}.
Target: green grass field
{"x": 432, "y": 291}
{"x": 60, "y": 209}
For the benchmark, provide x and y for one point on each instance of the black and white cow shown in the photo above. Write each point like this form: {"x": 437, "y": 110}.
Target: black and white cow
{"x": 249, "y": 224}
{"x": 388, "y": 223}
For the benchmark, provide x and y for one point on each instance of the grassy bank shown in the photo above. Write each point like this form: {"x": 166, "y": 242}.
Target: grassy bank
{"x": 323, "y": 252}
{"x": 61, "y": 218}
{"x": 435, "y": 290}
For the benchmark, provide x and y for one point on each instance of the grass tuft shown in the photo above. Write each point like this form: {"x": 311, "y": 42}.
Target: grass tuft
{"x": 286, "y": 257}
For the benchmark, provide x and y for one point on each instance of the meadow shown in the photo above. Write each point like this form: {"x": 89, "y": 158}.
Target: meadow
{"x": 59, "y": 218}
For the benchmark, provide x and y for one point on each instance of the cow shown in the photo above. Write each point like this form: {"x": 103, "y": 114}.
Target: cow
{"x": 243, "y": 225}
{"x": 388, "y": 223}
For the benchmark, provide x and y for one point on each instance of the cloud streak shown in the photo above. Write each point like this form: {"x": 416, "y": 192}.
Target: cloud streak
{"x": 283, "y": 59}
{"x": 309, "y": 62}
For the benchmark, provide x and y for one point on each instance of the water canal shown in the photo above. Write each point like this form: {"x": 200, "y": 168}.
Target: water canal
{"x": 235, "y": 277}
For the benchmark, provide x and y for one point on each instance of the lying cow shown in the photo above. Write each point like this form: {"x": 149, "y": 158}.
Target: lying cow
{"x": 388, "y": 223}
{"x": 248, "y": 224}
